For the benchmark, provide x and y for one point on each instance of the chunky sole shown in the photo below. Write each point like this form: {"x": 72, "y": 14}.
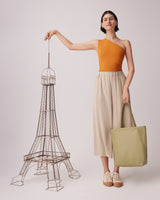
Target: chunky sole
{"x": 118, "y": 184}
{"x": 109, "y": 184}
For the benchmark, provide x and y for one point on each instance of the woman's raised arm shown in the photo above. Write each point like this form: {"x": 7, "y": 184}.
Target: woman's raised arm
{"x": 90, "y": 45}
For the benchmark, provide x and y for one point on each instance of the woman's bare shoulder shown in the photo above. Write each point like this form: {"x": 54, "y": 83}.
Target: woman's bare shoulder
{"x": 126, "y": 42}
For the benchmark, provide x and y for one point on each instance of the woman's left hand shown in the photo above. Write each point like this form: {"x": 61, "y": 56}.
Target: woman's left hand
{"x": 125, "y": 96}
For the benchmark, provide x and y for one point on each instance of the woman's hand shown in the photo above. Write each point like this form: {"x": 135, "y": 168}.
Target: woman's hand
{"x": 49, "y": 34}
{"x": 125, "y": 96}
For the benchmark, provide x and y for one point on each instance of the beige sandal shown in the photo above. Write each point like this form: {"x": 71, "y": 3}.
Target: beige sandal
{"x": 107, "y": 179}
{"x": 117, "y": 182}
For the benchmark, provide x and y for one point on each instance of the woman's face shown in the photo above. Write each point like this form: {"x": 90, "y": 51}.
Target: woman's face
{"x": 108, "y": 22}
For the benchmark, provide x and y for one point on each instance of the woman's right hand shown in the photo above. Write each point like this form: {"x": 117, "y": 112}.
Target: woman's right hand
{"x": 49, "y": 34}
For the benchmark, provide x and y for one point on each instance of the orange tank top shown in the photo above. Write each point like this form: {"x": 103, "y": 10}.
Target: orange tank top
{"x": 110, "y": 55}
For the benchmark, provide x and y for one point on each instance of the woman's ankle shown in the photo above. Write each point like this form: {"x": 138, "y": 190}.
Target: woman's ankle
{"x": 106, "y": 170}
{"x": 116, "y": 170}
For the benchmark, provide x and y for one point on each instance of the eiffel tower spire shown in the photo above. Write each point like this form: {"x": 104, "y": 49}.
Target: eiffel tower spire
{"x": 47, "y": 150}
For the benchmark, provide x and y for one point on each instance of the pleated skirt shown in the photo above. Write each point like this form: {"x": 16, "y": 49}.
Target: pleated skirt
{"x": 107, "y": 104}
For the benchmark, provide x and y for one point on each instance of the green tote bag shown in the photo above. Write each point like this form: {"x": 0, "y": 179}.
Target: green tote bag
{"x": 129, "y": 143}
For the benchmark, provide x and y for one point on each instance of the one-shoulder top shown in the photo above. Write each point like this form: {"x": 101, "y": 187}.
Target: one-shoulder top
{"x": 110, "y": 55}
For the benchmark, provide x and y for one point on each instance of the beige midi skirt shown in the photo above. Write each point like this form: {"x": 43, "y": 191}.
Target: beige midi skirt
{"x": 107, "y": 104}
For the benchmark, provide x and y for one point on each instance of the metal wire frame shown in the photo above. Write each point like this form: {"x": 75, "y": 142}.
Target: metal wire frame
{"x": 47, "y": 151}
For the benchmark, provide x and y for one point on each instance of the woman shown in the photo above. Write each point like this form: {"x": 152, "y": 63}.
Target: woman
{"x": 111, "y": 88}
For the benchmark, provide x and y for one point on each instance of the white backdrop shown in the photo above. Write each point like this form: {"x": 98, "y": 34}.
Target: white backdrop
{"x": 24, "y": 25}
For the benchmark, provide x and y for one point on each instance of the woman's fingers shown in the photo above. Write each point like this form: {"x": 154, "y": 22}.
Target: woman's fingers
{"x": 48, "y": 36}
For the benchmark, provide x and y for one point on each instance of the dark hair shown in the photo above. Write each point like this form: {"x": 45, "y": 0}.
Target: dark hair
{"x": 115, "y": 17}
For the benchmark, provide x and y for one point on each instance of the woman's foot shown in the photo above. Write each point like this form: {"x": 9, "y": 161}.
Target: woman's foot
{"x": 117, "y": 182}
{"x": 107, "y": 179}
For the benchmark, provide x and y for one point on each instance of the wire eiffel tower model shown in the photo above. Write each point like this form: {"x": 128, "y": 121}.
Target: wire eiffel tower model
{"x": 47, "y": 151}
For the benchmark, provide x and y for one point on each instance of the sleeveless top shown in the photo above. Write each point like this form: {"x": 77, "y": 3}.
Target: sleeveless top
{"x": 110, "y": 55}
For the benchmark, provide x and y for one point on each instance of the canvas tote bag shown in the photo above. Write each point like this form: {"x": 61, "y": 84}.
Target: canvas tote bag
{"x": 129, "y": 143}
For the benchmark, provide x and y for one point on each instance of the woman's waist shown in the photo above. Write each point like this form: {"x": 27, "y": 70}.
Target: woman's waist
{"x": 110, "y": 68}
{"x": 111, "y": 73}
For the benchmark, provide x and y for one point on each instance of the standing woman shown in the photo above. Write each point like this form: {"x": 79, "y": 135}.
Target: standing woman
{"x": 111, "y": 89}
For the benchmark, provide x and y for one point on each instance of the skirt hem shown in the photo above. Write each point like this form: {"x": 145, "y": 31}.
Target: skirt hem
{"x": 103, "y": 155}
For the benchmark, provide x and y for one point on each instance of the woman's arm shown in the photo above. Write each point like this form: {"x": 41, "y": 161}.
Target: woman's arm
{"x": 131, "y": 70}
{"x": 130, "y": 63}
{"x": 90, "y": 45}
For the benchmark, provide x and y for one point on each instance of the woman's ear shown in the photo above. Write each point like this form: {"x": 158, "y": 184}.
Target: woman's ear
{"x": 101, "y": 24}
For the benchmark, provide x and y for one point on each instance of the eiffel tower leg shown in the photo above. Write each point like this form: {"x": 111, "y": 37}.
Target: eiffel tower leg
{"x": 72, "y": 173}
{"x": 41, "y": 164}
{"x": 19, "y": 179}
{"x": 53, "y": 177}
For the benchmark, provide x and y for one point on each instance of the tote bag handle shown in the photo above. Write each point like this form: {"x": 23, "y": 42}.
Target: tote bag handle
{"x": 132, "y": 118}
